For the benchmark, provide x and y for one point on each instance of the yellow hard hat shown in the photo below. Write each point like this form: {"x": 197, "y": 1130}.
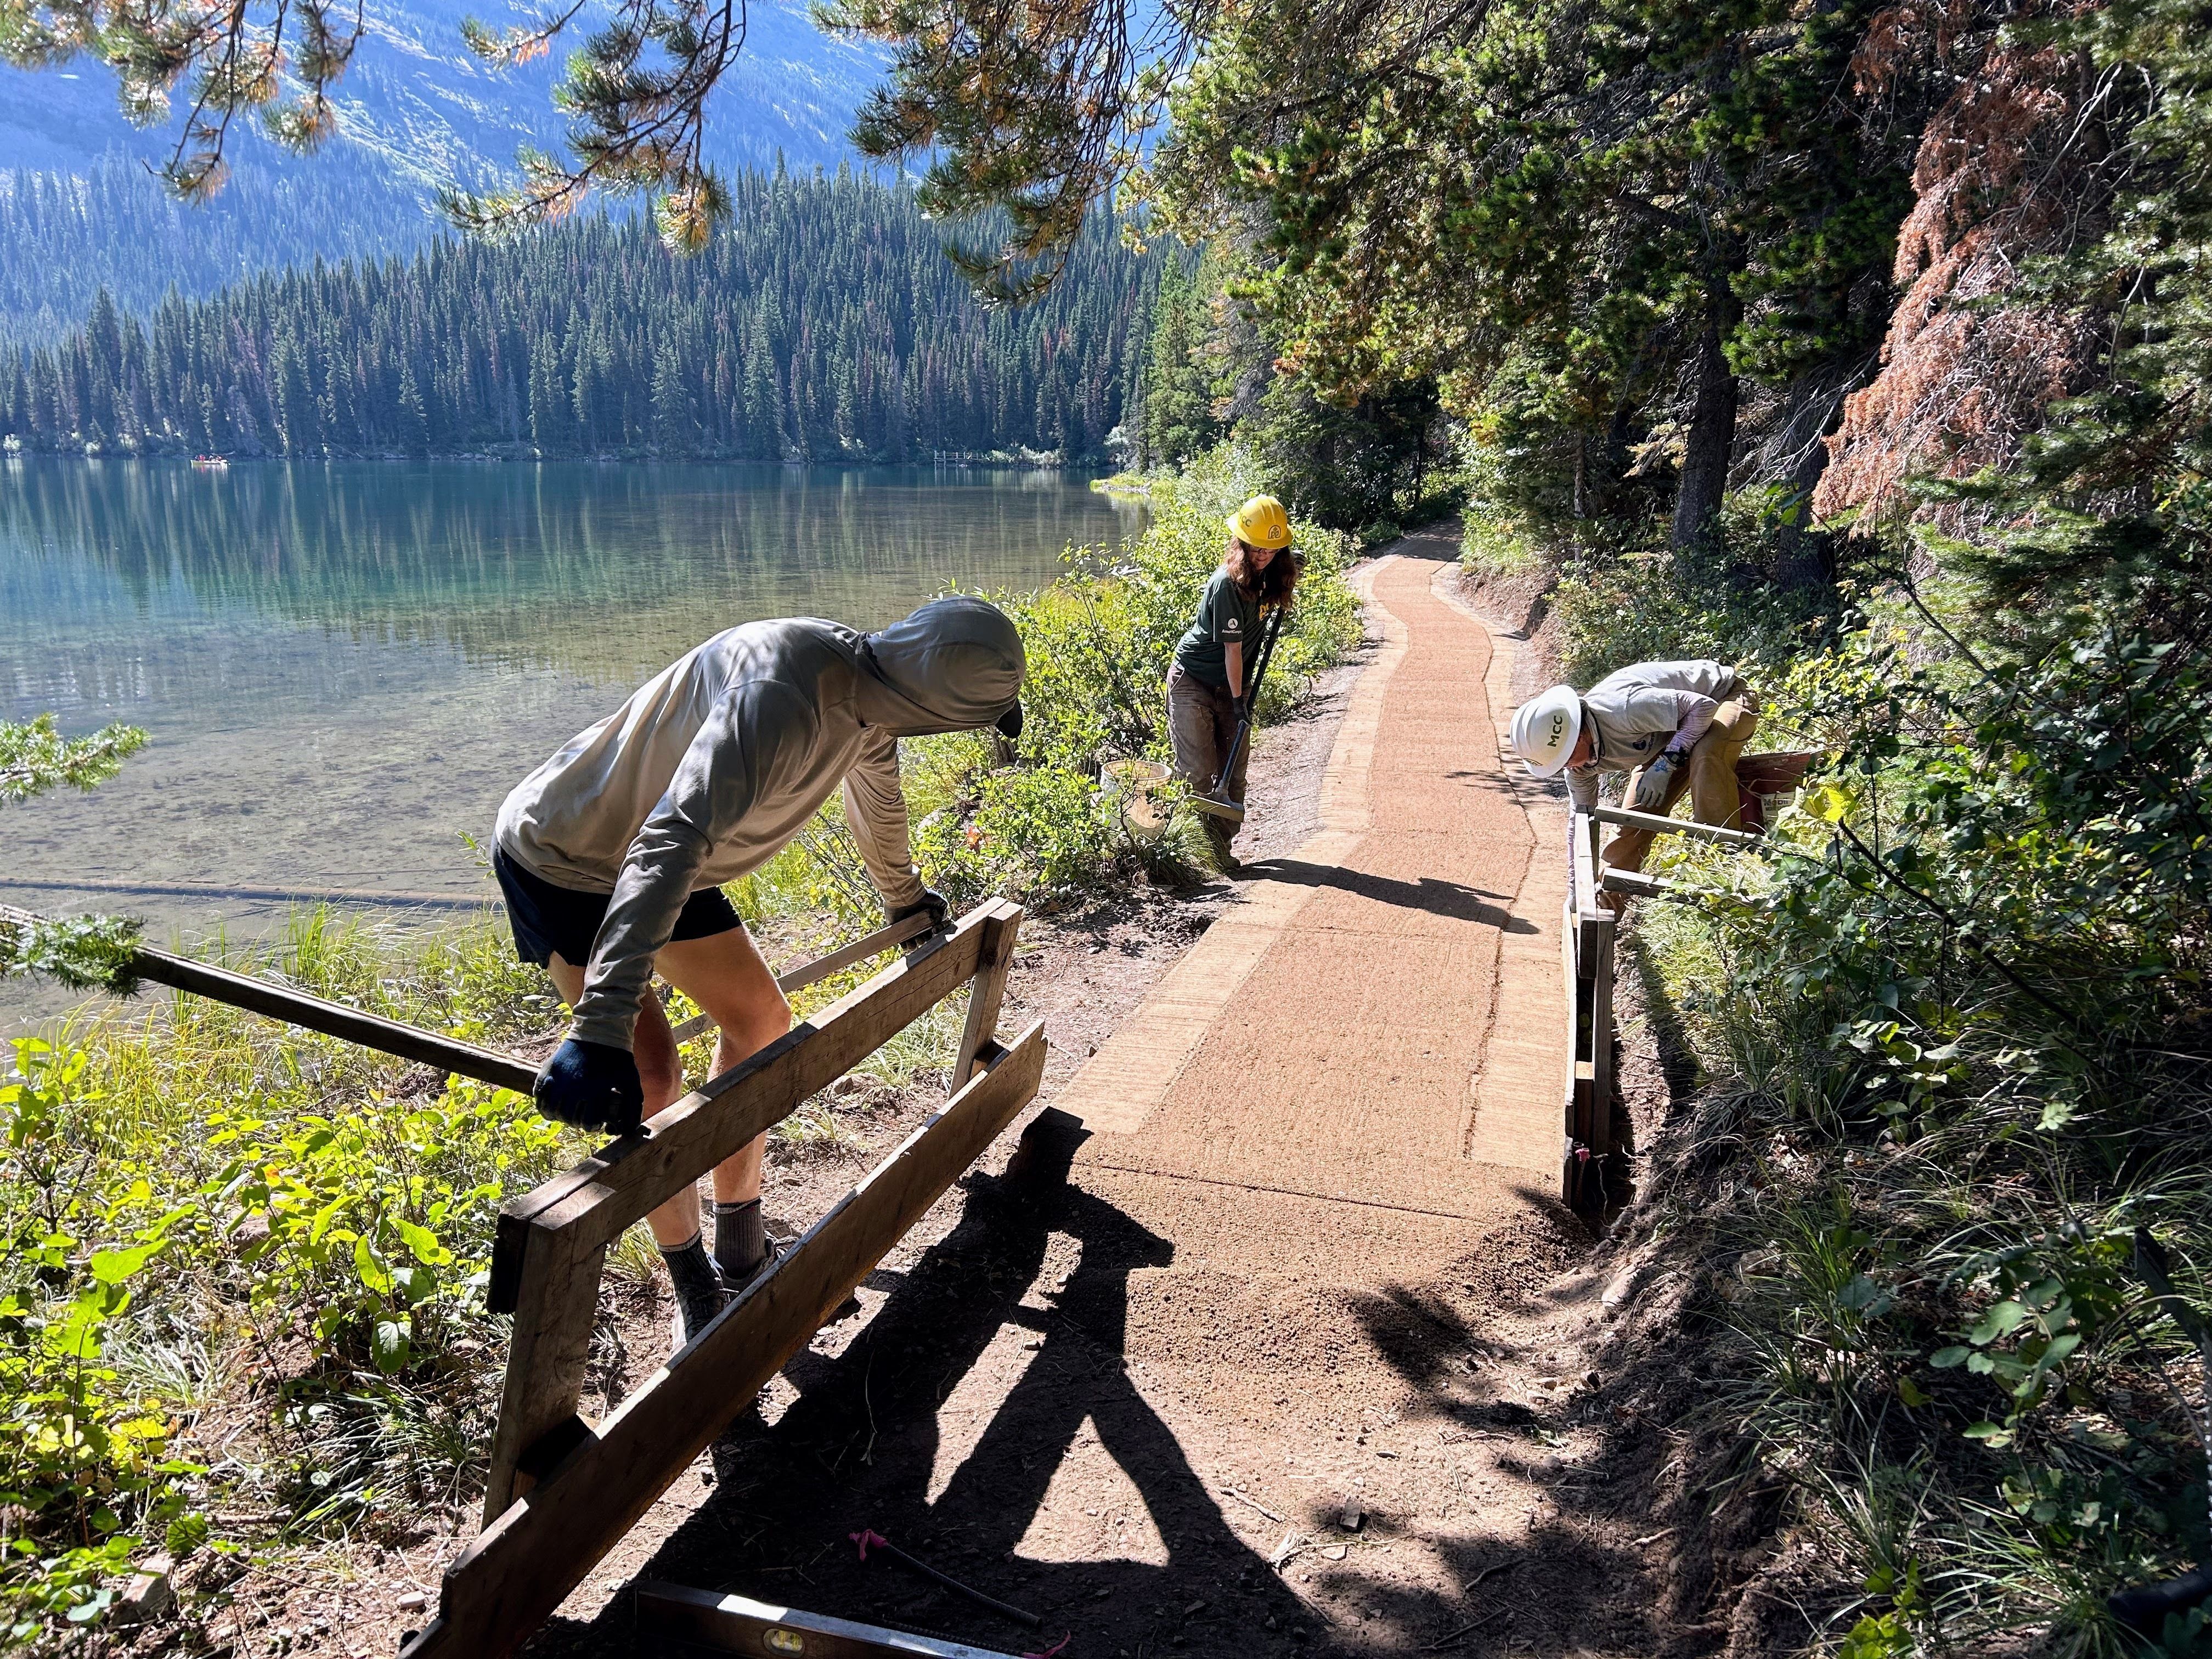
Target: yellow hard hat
{"x": 1260, "y": 522}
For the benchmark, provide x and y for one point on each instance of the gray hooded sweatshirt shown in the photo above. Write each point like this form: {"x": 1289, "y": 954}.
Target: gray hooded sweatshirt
{"x": 1637, "y": 711}
{"x": 719, "y": 759}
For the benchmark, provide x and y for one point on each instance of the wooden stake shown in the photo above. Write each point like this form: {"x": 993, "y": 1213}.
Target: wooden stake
{"x": 994, "y": 956}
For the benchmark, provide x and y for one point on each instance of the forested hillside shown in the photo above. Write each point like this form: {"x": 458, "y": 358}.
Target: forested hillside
{"x": 64, "y": 236}
{"x": 413, "y": 111}
{"x": 825, "y": 325}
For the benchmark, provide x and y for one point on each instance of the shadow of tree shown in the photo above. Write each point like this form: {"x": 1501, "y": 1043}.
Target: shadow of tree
{"x": 1451, "y": 899}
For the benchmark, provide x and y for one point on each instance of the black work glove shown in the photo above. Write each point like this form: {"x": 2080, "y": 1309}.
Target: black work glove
{"x": 931, "y": 901}
{"x": 1244, "y": 707}
{"x": 593, "y": 1085}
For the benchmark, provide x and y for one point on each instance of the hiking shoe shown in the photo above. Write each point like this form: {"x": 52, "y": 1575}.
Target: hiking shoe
{"x": 734, "y": 1285}
{"x": 692, "y": 1315}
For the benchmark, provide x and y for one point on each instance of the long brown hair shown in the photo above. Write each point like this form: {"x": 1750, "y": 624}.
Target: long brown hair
{"x": 1271, "y": 587}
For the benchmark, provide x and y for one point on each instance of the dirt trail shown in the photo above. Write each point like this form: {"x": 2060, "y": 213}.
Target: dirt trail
{"x": 1276, "y": 1368}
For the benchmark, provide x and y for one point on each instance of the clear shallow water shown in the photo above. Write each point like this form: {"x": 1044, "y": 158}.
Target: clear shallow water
{"x": 345, "y": 666}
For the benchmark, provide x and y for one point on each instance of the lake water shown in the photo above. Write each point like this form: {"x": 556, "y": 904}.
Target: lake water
{"x": 344, "y": 667}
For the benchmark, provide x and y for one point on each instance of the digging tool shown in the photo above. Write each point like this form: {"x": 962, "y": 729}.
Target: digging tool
{"x": 1217, "y": 801}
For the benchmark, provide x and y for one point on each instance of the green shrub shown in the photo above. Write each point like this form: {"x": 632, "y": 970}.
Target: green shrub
{"x": 1956, "y": 1018}
{"x": 1100, "y": 642}
{"x": 187, "y": 1188}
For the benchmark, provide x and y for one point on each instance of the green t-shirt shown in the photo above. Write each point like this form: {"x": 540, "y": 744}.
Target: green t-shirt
{"x": 1226, "y": 616}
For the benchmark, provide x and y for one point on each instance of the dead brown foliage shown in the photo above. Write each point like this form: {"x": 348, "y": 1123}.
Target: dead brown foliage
{"x": 2000, "y": 175}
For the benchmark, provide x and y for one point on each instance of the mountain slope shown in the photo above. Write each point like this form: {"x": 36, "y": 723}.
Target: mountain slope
{"x": 80, "y": 212}
{"x": 417, "y": 105}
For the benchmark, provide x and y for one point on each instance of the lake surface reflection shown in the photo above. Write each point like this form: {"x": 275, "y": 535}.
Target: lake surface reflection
{"x": 345, "y": 666}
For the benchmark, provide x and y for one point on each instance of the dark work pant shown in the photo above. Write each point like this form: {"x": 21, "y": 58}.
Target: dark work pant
{"x": 1202, "y": 724}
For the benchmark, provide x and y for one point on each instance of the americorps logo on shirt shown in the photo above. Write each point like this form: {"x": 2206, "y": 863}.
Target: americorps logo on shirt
{"x": 1234, "y": 625}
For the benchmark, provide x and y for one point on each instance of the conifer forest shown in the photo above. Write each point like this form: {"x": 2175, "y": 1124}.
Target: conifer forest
{"x": 826, "y": 325}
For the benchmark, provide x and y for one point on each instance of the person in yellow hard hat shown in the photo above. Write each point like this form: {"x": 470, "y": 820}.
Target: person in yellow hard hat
{"x": 1207, "y": 694}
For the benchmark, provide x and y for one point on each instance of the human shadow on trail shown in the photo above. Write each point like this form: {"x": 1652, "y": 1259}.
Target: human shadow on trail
{"x": 859, "y": 1448}
{"x": 1453, "y": 900}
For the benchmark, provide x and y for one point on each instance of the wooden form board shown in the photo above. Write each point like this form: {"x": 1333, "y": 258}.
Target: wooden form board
{"x": 552, "y": 1240}
{"x": 1588, "y": 947}
{"x": 335, "y": 1019}
{"x": 814, "y": 972}
{"x": 763, "y": 1630}
{"x": 1666, "y": 826}
{"x": 521, "y": 1567}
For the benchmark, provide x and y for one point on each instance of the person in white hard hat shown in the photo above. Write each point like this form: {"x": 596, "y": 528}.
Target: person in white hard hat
{"x": 1672, "y": 727}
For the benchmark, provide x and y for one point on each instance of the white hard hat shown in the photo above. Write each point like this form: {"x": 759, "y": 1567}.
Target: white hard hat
{"x": 1545, "y": 729}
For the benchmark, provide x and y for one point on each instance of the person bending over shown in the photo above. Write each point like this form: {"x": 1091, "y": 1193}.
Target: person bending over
{"x": 1208, "y": 696}
{"x": 1672, "y": 727}
{"x": 612, "y": 856}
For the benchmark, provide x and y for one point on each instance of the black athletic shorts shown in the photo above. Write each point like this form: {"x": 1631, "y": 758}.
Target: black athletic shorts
{"x": 549, "y": 918}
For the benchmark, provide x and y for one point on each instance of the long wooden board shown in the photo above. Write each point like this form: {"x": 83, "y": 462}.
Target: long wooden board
{"x": 335, "y": 1019}
{"x": 1665, "y": 826}
{"x": 763, "y": 1630}
{"x": 814, "y": 972}
{"x": 628, "y": 1178}
{"x": 515, "y": 1573}
{"x": 552, "y": 1240}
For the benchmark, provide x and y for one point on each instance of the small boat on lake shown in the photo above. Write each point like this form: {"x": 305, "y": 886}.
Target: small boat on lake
{"x": 211, "y": 463}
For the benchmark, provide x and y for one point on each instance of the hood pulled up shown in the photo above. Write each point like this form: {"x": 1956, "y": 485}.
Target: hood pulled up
{"x": 955, "y": 665}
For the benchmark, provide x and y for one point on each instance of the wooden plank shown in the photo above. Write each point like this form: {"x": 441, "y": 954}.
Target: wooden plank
{"x": 988, "y": 992}
{"x": 1652, "y": 821}
{"x": 1636, "y": 882}
{"x": 1589, "y": 912}
{"x": 512, "y": 1576}
{"x": 814, "y": 972}
{"x": 334, "y": 1019}
{"x": 763, "y": 1630}
{"x": 556, "y": 1303}
{"x": 628, "y": 1178}
{"x": 1600, "y": 1135}
{"x": 1572, "y": 980}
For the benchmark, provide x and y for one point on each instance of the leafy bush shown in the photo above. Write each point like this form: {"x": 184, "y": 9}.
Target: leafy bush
{"x": 191, "y": 1188}
{"x": 1100, "y": 642}
{"x": 1957, "y": 1016}
{"x": 1615, "y": 609}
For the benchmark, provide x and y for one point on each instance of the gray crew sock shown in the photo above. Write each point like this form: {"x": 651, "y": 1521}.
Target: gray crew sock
{"x": 698, "y": 1292}
{"x": 740, "y": 1239}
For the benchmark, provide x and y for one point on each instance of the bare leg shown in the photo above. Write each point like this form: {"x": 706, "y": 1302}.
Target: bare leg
{"x": 733, "y": 987}
{"x": 726, "y": 976}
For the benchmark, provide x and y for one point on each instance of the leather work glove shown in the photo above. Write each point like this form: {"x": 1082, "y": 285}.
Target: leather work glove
{"x": 593, "y": 1085}
{"x": 1651, "y": 788}
{"x": 931, "y": 901}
